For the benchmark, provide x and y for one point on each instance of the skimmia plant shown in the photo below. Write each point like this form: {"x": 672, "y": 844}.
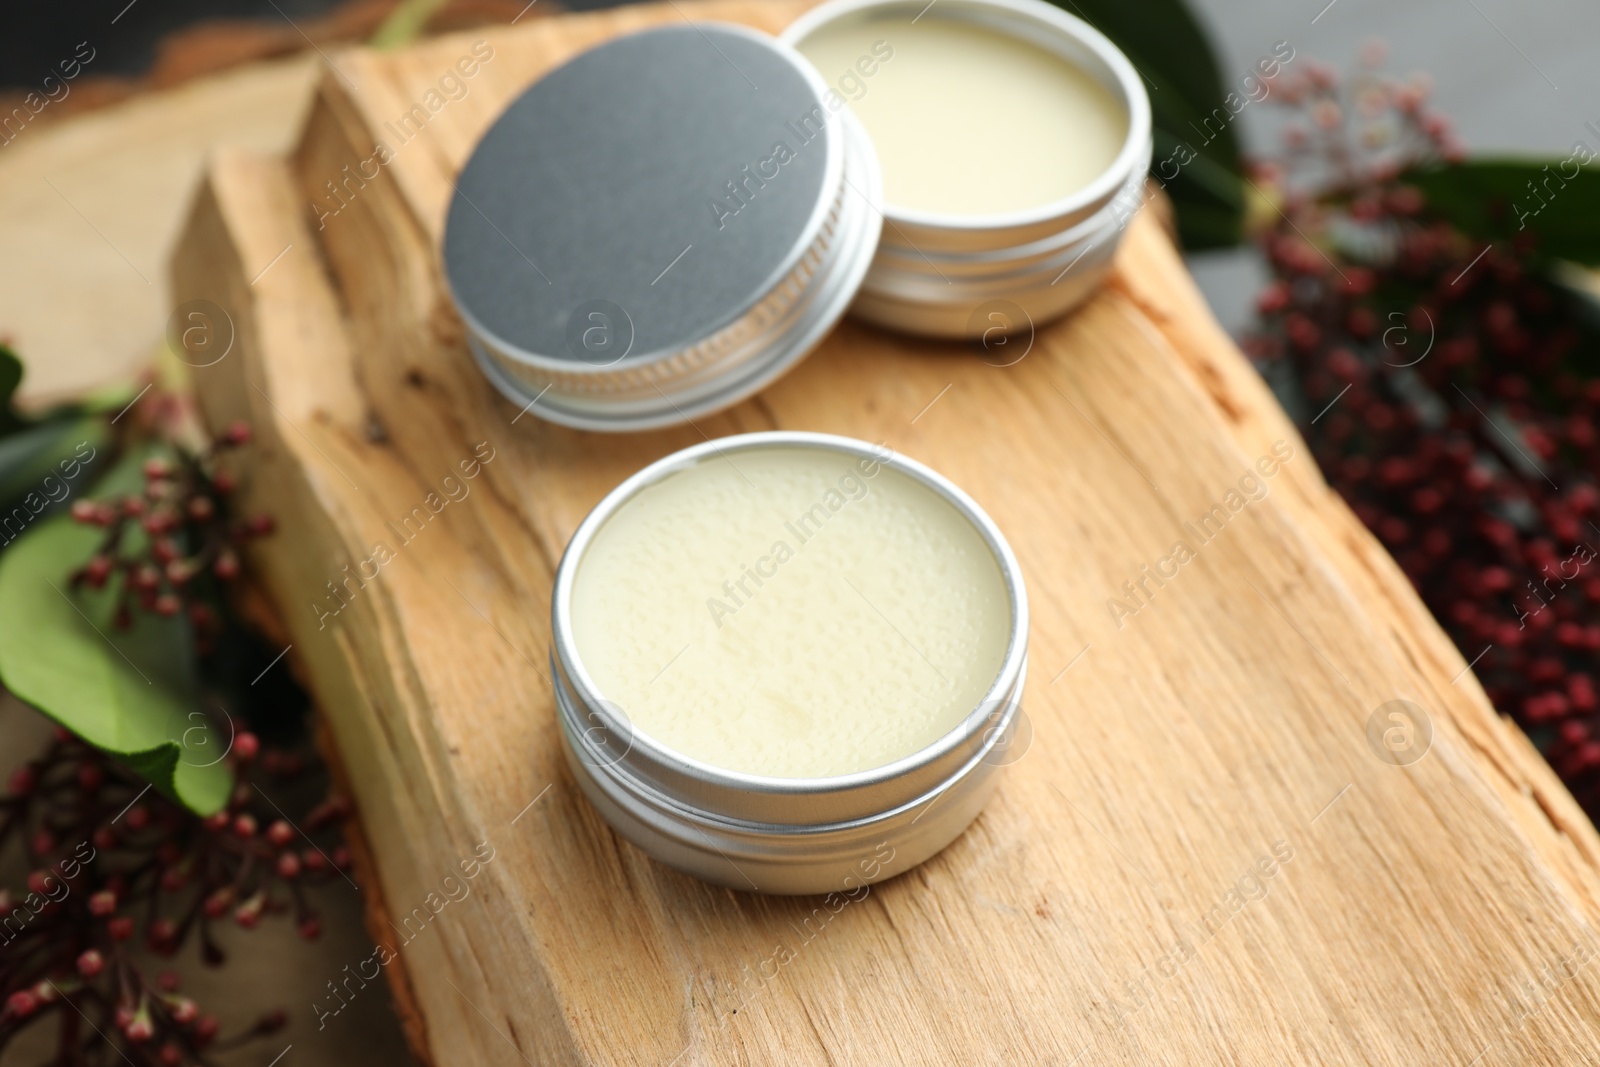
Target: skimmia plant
{"x": 121, "y": 877}
{"x": 153, "y": 817}
{"x": 189, "y": 543}
{"x": 1443, "y": 372}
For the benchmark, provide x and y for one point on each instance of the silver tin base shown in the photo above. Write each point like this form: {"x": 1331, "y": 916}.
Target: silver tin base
{"x": 792, "y": 859}
{"x": 785, "y": 835}
{"x": 941, "y": 275}
{"x": 1019, "y": 288}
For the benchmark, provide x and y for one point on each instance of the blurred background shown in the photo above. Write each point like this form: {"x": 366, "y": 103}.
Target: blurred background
{"x": 94, "y": 184}
{"x": 1514, "y": 77}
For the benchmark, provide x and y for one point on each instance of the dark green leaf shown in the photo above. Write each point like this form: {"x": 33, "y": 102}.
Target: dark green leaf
{"x": 10, "y": 378}
{"x": 1502, "y": 199}
{"x": 129, "y": 691}
{"x": 1187, "y": 98}
{"x": 61, "y": 451}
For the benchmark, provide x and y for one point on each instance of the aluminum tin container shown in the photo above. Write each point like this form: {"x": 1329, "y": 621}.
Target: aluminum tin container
{"x": 784, "y": 835}
{"x": 941, "y": 275}
{"x": 629, "y": 250}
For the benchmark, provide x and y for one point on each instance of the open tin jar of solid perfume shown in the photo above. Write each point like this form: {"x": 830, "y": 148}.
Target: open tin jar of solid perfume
{"x": 670, "y": 221}
{"x": 1014, "y": 142}
{"x": 788, "y": 662}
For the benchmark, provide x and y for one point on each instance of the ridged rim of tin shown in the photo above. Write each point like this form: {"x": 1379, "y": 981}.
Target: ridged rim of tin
{"x": 1134, "y": 97}
{"x": 1027, "y": 276}
{"x": 664, "y": 805}
{"x": 799, "y": 302}
{"x": 751, "y": 800}
{"x": 1044, "y": 255}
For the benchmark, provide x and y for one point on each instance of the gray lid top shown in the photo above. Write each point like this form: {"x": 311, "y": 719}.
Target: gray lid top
{"x": 674, "y": 176}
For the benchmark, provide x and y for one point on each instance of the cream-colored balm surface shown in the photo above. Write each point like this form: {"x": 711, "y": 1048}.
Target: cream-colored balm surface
{"x": 791, "y": 612}
{"x": 967, "y": 120}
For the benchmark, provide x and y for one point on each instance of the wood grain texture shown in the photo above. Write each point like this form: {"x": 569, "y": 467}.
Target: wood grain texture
{"x": 1103, "y": 909}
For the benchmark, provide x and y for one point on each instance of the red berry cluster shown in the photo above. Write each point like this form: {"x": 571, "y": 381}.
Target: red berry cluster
{"x": 188, "y": 541}
{"x": 1444, "y": 386}
{"x": 112, "y": 860}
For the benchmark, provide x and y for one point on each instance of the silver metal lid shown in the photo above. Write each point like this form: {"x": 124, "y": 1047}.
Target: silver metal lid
{"x": 661, "y": 227}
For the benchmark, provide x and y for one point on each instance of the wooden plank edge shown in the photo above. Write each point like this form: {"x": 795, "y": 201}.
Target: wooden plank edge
{"x": 255, "y": 606}
{"x": 241, "y": 218}
{"x": 205, "y": 226}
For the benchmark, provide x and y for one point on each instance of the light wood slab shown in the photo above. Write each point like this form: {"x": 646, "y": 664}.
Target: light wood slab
{"x": 1423, "y": 913}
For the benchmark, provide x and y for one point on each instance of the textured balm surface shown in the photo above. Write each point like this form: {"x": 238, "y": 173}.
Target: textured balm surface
{"x": 791, "y": 612}
{"x": 966, "y": 120}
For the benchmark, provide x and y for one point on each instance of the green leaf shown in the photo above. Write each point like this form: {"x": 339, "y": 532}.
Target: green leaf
{"x": 132, "y": 692}
{"x": 1502, "y": 199}
{"x": 59, "y": 448}
{"x": 1175, "y": 58}
{"x": 405, "y": 23}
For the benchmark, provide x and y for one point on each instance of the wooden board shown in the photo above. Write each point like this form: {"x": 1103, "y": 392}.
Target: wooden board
{"x": 1110, "y": 906}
